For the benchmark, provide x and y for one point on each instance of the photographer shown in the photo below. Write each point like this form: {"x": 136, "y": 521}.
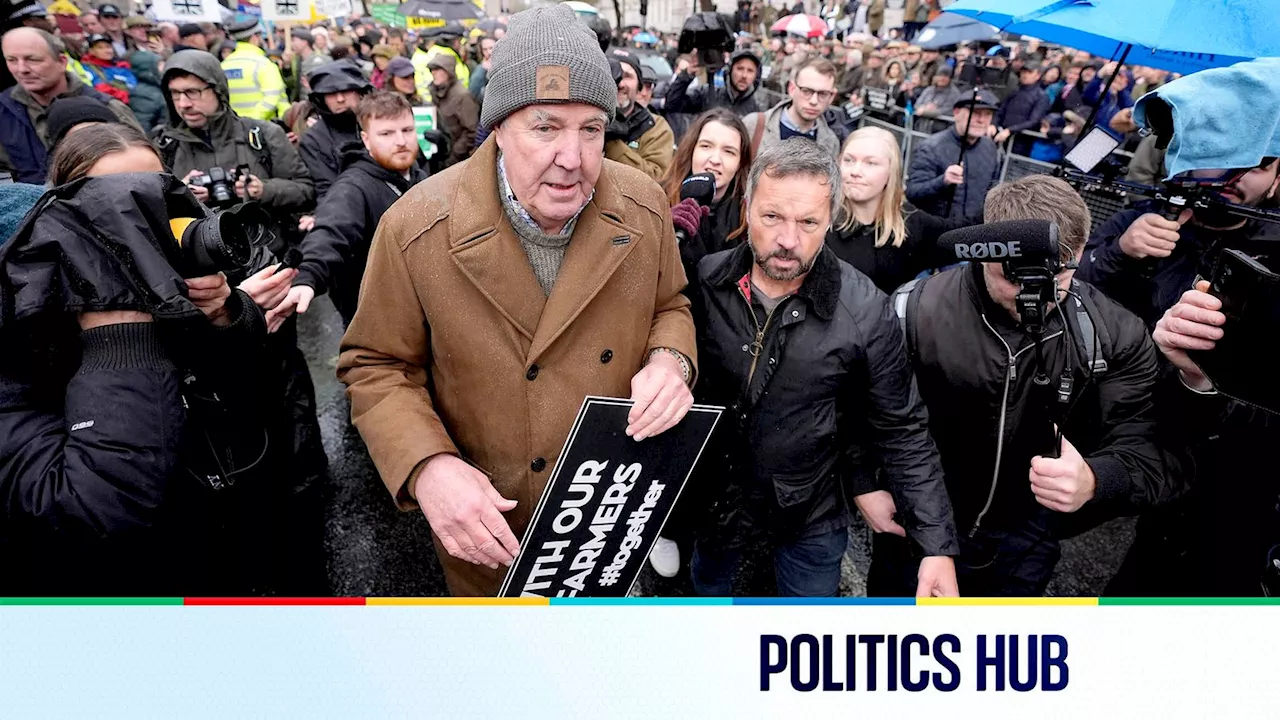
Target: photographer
{"x": 739, "y": 94}
{"x": 205, "y": 138}
{"x": 1145, "y": 262}
{"x": 107, "y": 429}
{"x": 1041, "y": 428}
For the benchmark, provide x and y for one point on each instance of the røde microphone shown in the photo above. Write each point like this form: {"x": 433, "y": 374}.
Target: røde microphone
{"x": 1031, "y": 241}
{"x": 701, "y": 188}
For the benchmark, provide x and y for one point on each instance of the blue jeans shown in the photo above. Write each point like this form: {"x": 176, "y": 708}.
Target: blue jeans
{"x": 806, "y": 567}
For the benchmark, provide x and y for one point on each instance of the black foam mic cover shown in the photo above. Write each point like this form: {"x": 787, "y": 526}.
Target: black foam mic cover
{"x": 700, "y": 187}
{"x": 1000, "y": 241}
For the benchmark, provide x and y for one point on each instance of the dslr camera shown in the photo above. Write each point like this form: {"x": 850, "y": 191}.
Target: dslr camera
{"x": 222, "y": 242}
{"x": 221, "y": 185}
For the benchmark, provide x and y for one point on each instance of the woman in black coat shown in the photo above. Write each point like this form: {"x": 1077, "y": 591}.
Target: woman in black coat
{"x": 879, "y": 233}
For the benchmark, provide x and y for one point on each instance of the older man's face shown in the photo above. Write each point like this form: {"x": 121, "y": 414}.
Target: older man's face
{"x": 32, "y": 63}
{"x": 554, "y": 155}
{"x": 787, "y": 223}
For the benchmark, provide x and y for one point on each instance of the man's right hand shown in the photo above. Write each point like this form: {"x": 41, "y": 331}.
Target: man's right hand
{"x": 201, "y": 193}
{"x": 465, "y": 511}
{"x": 954, "y": 175}
{"x": 1152, "y": 236}
{"x": 1195, "y": 323}
{"x": 877, "y": 509}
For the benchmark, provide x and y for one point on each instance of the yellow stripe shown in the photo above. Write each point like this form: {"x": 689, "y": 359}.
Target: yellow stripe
{"x": 456, "y": 601}
{"x": 1038, "y": 602}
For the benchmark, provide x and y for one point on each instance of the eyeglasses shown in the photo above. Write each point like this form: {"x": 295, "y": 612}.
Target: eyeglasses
{"x": 191, "y": 95}
{"x": 809, "y": 93}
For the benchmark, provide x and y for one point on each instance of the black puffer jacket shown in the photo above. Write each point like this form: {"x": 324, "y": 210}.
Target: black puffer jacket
{"x": 322, "y": 144}
{"x": 976, "y": 369}
{"x": 679, "y": 99}
{"x": 830, "y": 384}
{"x": 889, "y": 266}
{"x": 335, "y": 250}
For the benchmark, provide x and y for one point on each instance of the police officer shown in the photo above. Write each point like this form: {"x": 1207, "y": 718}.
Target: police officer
{"x": 257, "y": 88}
{"x": 446, "y": 40}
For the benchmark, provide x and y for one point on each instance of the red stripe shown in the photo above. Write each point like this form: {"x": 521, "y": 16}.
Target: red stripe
{"x": 274, "y": 601}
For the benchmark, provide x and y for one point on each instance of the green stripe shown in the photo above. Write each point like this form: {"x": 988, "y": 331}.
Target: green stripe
{"x": 90, "y": 601}
{"x": 1190, "y": 601}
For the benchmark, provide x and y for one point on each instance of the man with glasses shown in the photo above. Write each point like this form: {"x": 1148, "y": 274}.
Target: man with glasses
{"x": 204, "y": 133}
{"x": 810, "y": 94}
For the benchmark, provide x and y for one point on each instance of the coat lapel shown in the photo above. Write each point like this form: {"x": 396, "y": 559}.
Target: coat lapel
{"x": 486, "y": 249}
{"x": 601, "y": 242}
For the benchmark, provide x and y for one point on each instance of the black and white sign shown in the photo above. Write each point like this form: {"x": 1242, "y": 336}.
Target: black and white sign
{"x": 187, "y": 11}
{"x": 605, "y": 504}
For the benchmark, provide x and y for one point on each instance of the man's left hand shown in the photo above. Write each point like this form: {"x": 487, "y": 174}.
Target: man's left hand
{"x": 661, "y": 397}
{"x": 1063, "y": 484}
{"x": 251, "y": 191}
{"x": 937, "y": 577}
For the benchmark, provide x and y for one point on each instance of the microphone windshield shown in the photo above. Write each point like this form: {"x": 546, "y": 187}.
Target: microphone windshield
{"x": 700, "y": 187}
{"x": 1029, "y": 240}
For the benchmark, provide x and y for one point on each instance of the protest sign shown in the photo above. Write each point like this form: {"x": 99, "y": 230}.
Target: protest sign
{"x": 287, "y": 10}
{"x": 187, "y": 11}
{"x": 605, "y": 504}
{"x": 424, "y": 119}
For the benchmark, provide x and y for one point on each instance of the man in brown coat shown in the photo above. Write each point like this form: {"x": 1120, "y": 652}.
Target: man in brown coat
{"x": 456, "y": 109}
{"x": 501, "y": 292}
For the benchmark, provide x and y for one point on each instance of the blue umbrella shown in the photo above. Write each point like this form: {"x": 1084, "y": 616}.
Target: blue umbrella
{"x": 948, "y": 29}
{"x": 1178, "y": 35}
{"x": 645, "y": 38}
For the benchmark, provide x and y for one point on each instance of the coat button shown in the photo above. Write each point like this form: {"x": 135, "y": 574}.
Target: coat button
{"x": 606, "y": 356}
{"x": 538, "y": 464}
{"x": 533, "y": 372}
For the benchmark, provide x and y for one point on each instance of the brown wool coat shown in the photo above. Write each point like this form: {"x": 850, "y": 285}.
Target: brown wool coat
{"x": 449, "y": 299}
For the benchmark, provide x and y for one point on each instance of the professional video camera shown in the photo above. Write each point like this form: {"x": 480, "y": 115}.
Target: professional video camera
{"x": 221, "y": 185}
{"x": 1030, "y": 253}
{"x": 711, "y": 34}
{"x": 986, "y": 70}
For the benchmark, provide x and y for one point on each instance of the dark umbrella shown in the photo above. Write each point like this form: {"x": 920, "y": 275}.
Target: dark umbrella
{"x": 490, "y": 26}
{"x": 443, "y": 10}
{"x": 951, "y": 29}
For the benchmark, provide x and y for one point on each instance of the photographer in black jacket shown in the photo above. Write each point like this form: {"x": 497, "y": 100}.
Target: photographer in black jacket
{"x": 122, "y": 409}
{"x": 1000, "y": 402}
{"x": 806, "y": 354}
{"x": 376, "y": 174}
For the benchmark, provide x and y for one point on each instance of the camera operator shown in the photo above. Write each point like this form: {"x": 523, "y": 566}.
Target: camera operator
{"x": 1004, "y": 389}
{"x": 636, "y": 137}
{"x": 1145, "y": 262}
{"x": 105, "y": 426}
{"x": 1221, "y": 539}
{"x": 739, "y": 94}
{"x": 205, "y": 138}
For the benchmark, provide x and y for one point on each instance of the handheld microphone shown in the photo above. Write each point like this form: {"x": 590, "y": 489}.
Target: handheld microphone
{"x": 702, "y": 189}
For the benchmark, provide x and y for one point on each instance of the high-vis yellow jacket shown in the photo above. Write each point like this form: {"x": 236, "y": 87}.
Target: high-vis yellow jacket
{"x": 422, "y": 74}
{"x": 257, "y": 89}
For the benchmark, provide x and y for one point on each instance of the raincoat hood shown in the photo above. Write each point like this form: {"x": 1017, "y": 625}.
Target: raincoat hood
{"x": 202, "y": 65}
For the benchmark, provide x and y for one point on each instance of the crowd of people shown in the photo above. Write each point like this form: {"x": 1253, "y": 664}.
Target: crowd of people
{"x": 494, "y": 214}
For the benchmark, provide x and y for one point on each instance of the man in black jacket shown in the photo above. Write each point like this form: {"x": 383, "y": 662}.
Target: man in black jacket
{"x": 1000, "y": 400}
{"x": 951, "y": 182}
{"x": 375, "y": 175}
{"x": 1022, "y": 110}
{"x": 336, "y": 89}
{"x": 809, "y": 359}
{"x": 1145, "y": 261}
{"x": 738, "y": 94}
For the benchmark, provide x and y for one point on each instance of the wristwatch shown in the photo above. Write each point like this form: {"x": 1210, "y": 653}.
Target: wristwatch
{"x": 686, "y": 369}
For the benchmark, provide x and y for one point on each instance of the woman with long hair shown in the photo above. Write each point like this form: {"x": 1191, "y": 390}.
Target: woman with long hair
{"x": 716, "y": 143}
{"x": 878, "y": 232}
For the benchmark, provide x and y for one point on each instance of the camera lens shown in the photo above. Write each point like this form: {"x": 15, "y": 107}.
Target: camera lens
{"x": 223, "y": 242}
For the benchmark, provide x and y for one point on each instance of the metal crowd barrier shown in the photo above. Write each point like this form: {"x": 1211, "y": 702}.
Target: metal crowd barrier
{"x": 1013, "y": 166}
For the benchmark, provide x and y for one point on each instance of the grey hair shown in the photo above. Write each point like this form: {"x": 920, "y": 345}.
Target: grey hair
{"x": 797, "y": 156}
{"x": 56, "y": 46}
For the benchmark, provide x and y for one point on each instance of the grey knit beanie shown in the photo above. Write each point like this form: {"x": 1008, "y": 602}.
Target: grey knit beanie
{"x": 547, "y": 56}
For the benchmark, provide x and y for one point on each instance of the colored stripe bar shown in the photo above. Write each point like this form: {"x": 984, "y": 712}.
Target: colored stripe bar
{"x": 646, "y": 601}
{"x": 292, "y": 602}
{"x": 448, "y": 601}
{"x": 823, "y": 601}
{"x": 68, "y": 601}
{"x": 1010, "y": 601}
{"x": 1189, "y": 601}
